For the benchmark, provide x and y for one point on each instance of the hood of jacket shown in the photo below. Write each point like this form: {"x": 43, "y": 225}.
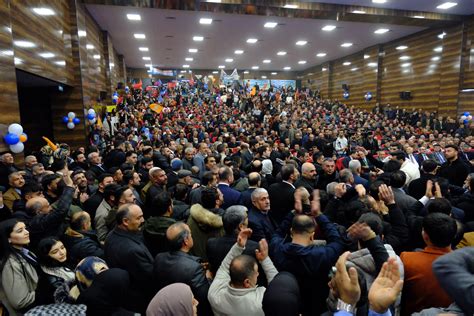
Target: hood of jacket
{"x": 205, "y": 218}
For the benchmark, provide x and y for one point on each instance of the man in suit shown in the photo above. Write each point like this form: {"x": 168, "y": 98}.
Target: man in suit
{"x": 282, "y": 193}
{"x": 438, "y": 233}
{"x": 356, "y": 168}
{"x": 417, "y": 187}
{"x": 158, "y": 181}
{"x": 95, "y": 162}
{"x": 231, "y": 196}
{"x": 16, "y": 182}
{"x": 254, "y": 183}
{"x": 411, "y": 156}
{"x": 262, "y": 225}
{"x": 403, "y": 200}
{"x": 423, "y": 155}
{"x": 438, "y": 154}
{"x": 353, "y": 155}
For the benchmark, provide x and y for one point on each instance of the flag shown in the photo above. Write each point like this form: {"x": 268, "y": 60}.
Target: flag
{"x": 137, "y": 86}
{"x": 159, "y": 83}
{"x": 191, "y": 81}
{"x": 171, "y": 84}
{"x": 156, "y": 107}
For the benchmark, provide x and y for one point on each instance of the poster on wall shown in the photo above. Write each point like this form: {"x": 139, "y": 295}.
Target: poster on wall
{"x": 157, "y": 71}
{"x": 261, "y": 83}
{"x": 284, "y": 83}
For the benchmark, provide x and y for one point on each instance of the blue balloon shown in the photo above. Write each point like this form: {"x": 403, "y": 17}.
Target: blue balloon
{"x": 76, "y": 120}
{"x": 205, "y": 86}
{"x": 345, "y": 95}
{"x": 368, "y": 96}
{"x": 466, "y": 121}
{"x": 65, "y": 119}
{"x": 467, "y": 113}
{"x": 90, "y": 116}
{"x": 11, "y": 139}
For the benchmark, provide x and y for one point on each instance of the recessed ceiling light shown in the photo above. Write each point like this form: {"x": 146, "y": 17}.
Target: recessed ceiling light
{"x": 81, "y": 33}
{"x": 139, "y": 36}
{"x": 379, "y": 1}
{"x": 442, "y": 35}
{"x": 134, "y": 17}
{"x": 255, "y": 67}
{"x": 346, "y": 63}
{"x": 321, "y": 54}
{"x": 266, "y": 61}
{"x": 329, "y": 28}
{"x": 221, "y": 67}
{"x": 418, "y": 16}
{"x": 302, "y": 62}
{"x": 366, "y": 56}
{"x": 301, "y": 43}
{"x": 193, "y": 50}
{"x": 405, "y": 65}
{"x": 435, "y": 58}
{"x": 446, "y": 5}
{"x": 354, "y": 69}
{"x": 7, "y": 52}
{"x": 18, "y": 60}
{"x": 146, "y": 58}
{"x": 372, "y": 64}
{"x": 96, "y": 56}
{"x": 149, "y": 65}
{"x": 246, "y": 72}
{"x": 346, "y": 44}
{"x": 229, "y": 60}
{"x": 252, "y": 40}
{"x": 238, "y": 52}
{"x": 274, "y": 73}
{"x": 287, "y": 68}
{"x": 24, "y": 44}
{"x": 183, "y": 71}
{"x": 47, "y": 55}
{"x": 281, "y": 53}
{"x": 185, "y": 66}
{"x": 358, "y": 12}
{"x": 433, "y": 66}
{"x": 198, "y": 38}
{"x": 270, "y": 25}
{"x": 214, "y": 1}
{"x": 205, "y": 21}
{"x": 406, "y": 71}
{"x": 264, "y": 77}
{"x": 43, "y": 11}
{"x": 215, "y": 72}
{"x": 290, "y": 6}
{"x": 324, "y": 69}
{"x": 60, "y": 63}
{"x": 381, "y": 31}
{"x": 189, "y": 59}
{"x": 438, "y": 49}
{"x": 112, "y": 65}
{"x": 143, "y": 49}
{"x": 404, "y": 57}
{"x": 402, "y": 47}
{"x": 89, "y": 46}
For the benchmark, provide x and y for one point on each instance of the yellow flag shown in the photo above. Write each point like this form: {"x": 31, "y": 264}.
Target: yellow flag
{"x": 156, "y": 107}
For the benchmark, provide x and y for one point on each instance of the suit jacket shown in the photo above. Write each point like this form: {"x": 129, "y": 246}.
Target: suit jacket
{"x": 247, "y": 198}
{"x": 231, "y": 196}
{"x": 262, "y": 225}
{"x": 282, "y": 200}
{"x": 422, "y": 157}
{"x": 97, "y": 170}
{"x": 403, "y": 200}
{"x": 10, "y": 196}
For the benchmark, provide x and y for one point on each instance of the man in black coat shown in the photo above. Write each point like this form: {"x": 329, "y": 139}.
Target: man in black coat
{"x": 281, "y": 194}
{"x": 417, "y": 187}
{"x": 178, "y": 265}
{"x": 159, "y": 180}
{"x": 454, "y": 169}
{"x": 124, "y": 248}
{"x": 308, "y": 177}
{"x": 93, "y": 202}
{"x": 329, "y": 174}
{"x": 95, "y": 161}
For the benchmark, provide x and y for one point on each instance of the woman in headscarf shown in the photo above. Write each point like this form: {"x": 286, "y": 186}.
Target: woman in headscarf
{"x": 174, "y": 299}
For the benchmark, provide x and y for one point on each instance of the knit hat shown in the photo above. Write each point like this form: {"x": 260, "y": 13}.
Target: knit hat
{"x": 176, "y": 164}
{"x": 88, "y": 269}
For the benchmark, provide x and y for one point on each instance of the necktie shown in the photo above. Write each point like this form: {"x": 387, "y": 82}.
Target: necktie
{"x": 424, "y": 157}
{"x": 412, "y": 158}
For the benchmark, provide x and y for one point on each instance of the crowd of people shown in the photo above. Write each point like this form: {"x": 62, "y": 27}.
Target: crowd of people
{"x": 243, "y": 201}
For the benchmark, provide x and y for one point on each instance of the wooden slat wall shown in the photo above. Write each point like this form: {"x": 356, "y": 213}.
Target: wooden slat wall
{"x": 466, "y": 103}
{"x": 468, "y": 80}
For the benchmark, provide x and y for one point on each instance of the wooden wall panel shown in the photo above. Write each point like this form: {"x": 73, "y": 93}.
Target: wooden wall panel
{"x": 468, "y": 79}
{"x": 466, "y": 103}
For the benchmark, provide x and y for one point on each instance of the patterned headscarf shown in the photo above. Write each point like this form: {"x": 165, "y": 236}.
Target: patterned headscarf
{"x": 87, "y": 270}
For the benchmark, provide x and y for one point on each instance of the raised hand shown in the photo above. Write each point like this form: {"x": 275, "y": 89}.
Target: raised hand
{"x": 347, "y": 283}
{"x": 386, "y": 287}
{"x": 315, "y": 204}
{"x": 243, "y": 236}
{"x": 360, "y": 231}
{"x": 262, "y": 252}
{"x": 386, "y": 194}
{"x": 429, "y": 189}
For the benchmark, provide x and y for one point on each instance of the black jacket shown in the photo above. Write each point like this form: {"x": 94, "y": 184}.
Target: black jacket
{"x": 456, "y": 172}
{"x": 177, "y": 266}
{"x": 92, "y": 203}
{"x": 466, "y": 203}
{"x": 81, "y": 244}
{"x": 282, "y": 200}
{"x": 127, "y": 251}
{"x": 417, "y": 187}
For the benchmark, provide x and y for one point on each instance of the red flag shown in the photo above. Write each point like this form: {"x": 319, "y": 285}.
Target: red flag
{"x": 137, "y": 86}
{"x": 171, "y": 84}
{"x": 191, "y": 81}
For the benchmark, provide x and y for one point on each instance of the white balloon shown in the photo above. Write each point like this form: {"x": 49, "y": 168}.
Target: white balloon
{"x": 70, "y": 125}
{"x": 17, "y": 148}
{"x": 469, "y": 117}
{"x": 15, "y": 128}
{"x": 71, "y": 115}
{"x": 91, "y": 111}
{"x": 463, "y": 117}
{"x": 93, "y": 120}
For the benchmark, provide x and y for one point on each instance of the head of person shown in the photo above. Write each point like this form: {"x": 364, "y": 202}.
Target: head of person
{"x": 254, "y": 179}
{"x": 398, "y": 156}
{"x": 261, "y": 200}
{"x": 179, "y": 237}
{"x": 398, "y": 179}
{"x": 16, "y": 180}
{"x": 162, "y": 204}
{"x": 329, "y": 167}
{"x": 235, "y": 219}
{"x": 131, "y": 157}
{"x": 38, "y": 205}
{"x": 302, "y": 229}
{"x": 30, "y": 161}
{"x": 374, "y": 221}
{"x": 14, "y": 235}
{"x": 429, "y": 166}
{"x": 158, "y": 176}
{"x": 104, "y": 180}
{"x": 37, "y": 169}
{"x": 130, "y": 218}
{"x": 209, "y": 179}
{"x": 439, "y": 230}
{"x": 308, "y": 171}
{"x": 346, "y": 176}
{"x": 80, "y": 221}
{"x": 451, "y": 152}
{"x": 392, "y": 165}
{"x": 189, "y": 153}
{"x": 174, "y": 299}
{"x": 210, "y": 161}
{"x": 87, "y": 270}
{"x": 110, "y": 194}
{"x": 355, "y": 166}
{"x": 117, "y": 174}
{"x": 124, "y": 195}
{"x": 243, "y": 272}
{"x": 79, "y": 178}
{"x": 147, "y": 163}
{"x": 94, "y": 158}
{"x": 51, "y": 182}
{"x": 7, "y": 158}
{"x": 282, "y": 296}
{"x": 210, "y": 198}
{"x": 439, "y": 205}
{"x": 289, "y": 173}
{"x": 51, "y": 252}
{"x": 226, "y": 175}
{"x": 32, "y": 190}
{"x": 131, "y": 178}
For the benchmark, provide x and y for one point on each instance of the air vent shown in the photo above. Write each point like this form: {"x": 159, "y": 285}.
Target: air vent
{"x": 169, "y": 36}
{"x": 169, "y": 49}
{"x": 171, "y": 18}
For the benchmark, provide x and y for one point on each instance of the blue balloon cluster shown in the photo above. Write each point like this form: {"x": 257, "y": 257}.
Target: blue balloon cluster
{"x": 466, "y": 117}
{"x": 115, "y": 97}
{"x": 368, "y": 96}
{"x": 346, "y": 95}
{"x": 15, "y": 138}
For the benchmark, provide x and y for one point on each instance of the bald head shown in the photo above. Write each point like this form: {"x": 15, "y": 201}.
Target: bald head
{"x": 302, "y": 225}
{"x": 308, "y": 171}
{"x": 38, "y": 205}
{"x": 179, "y": 237}
{"x": 254, "y": 179}
{"x": 243, "y": 272}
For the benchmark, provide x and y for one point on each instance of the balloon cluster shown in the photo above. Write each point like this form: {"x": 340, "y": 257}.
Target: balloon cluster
{"x": 91, "y": 116}
{"x": 15, "y": 138}
{"x": 115, "y": 97}
{"x": 346, "y": 95}
{"x": 71, "y": 120}
{"x": 127, "y": 89}
{"x": 466, "y": 117}
{"x": 368, "y": 96}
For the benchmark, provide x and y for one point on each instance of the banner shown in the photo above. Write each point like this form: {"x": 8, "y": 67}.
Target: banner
{"x": 259, "y": 82}
{"x": 284, "y": 83}
{"x": 226, "y": 79}
{"x": 157, "y": 71}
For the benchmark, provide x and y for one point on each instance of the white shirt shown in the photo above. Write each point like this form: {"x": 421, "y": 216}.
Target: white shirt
{"x": 411, "y": 170}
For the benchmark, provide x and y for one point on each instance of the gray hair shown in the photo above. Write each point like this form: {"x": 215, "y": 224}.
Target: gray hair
{"x": 233, "y": 217}
{"x": 331, "y": 188}
{"x": 257, "y": 192}
{"x": 345, "y": 175}
{"x": 354, "y": 165}
{"x": 153, "y": 170}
